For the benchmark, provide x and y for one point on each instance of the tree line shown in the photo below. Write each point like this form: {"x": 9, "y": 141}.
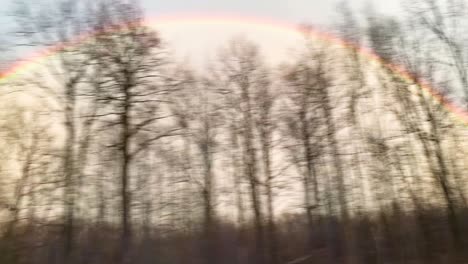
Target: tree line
{"x": 113, "y": 152}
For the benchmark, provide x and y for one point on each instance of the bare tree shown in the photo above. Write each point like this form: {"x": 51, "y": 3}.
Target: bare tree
{"x": 133, "y": 90}
{"x": 43, "y": 28}
{"x": 242, "y": 68}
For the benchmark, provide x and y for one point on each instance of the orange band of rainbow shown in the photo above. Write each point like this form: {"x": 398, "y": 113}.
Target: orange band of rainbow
{"x": 278, "y": 26}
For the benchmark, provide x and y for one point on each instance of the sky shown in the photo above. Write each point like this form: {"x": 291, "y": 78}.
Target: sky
{"x": 195, "y": 42}
{"x": 275, "y": 44}
{"x": 295, "y": 11}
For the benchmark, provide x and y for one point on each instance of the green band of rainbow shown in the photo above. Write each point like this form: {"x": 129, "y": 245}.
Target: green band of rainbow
{"x": 248, "y": 22}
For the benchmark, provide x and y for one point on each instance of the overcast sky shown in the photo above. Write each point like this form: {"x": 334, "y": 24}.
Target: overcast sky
{"x": 312, "y": 11}
{"x": 188, "y": 40}
{"x": 316, "y": 12}
{"x": 295, "y": 11}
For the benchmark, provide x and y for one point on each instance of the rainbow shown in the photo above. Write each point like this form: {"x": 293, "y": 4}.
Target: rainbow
{"x": 249, "y": 22}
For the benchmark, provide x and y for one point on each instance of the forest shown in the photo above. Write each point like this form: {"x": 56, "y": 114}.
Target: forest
{"x": 113, "y": 151}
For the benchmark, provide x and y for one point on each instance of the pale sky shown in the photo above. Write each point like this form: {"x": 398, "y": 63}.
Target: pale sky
{"x": 296, "y": 11}
{"x": 190, "y": 41}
